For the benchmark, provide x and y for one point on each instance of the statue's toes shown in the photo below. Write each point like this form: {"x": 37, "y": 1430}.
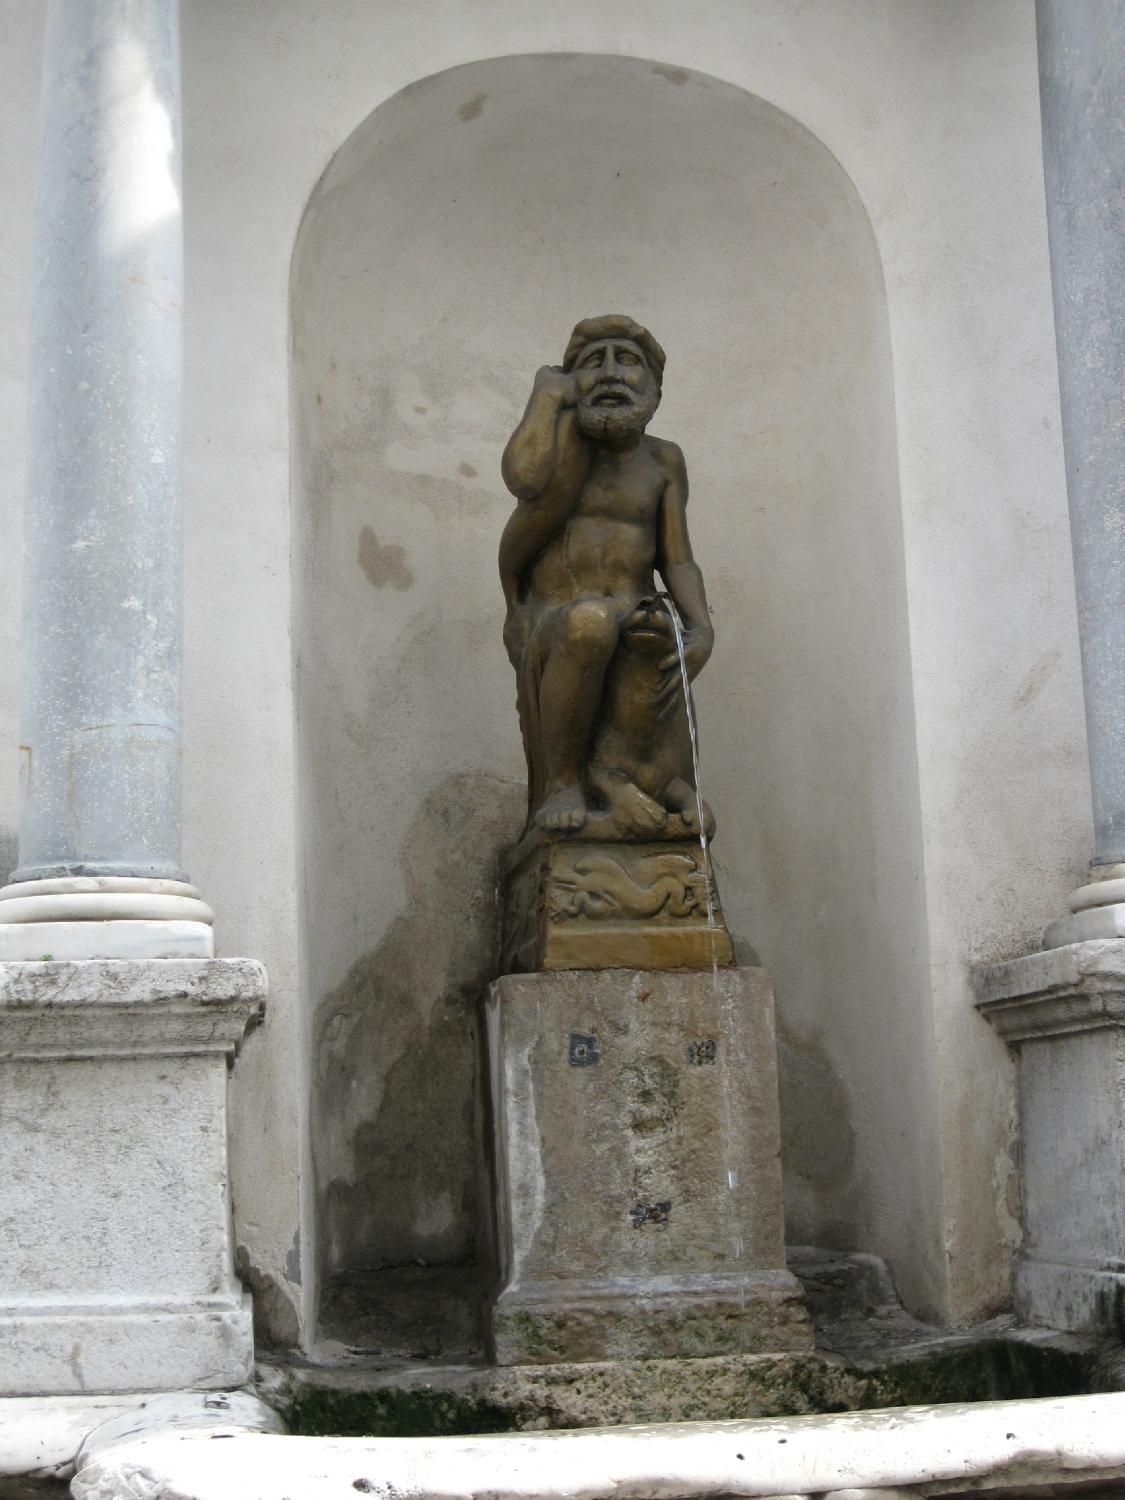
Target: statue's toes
{"x": 649, "y": 819}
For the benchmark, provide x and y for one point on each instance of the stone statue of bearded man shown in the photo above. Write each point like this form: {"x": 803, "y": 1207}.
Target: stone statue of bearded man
{"x": 602, "y": 508}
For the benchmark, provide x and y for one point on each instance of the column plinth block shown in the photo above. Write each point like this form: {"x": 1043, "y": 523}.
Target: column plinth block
{"x": 1063, "y": 1011}
{"x": 638, "y": 1168}
{"x": 116, "y": 1236}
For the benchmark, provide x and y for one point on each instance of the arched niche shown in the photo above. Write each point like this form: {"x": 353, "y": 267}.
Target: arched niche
{"x": 455, "y": 238}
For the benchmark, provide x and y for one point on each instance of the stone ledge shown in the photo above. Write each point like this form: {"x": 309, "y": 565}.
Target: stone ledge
{"x": 40, "y": 1437}
{"x": 748, "y": 1312}
{"x": 1029, "y": 1447}
{"x": 128, "y": 1007}
{"x": 1061, "y": 990}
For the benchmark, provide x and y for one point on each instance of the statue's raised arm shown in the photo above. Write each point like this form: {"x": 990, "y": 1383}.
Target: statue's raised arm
{"x": 544, "y": 465}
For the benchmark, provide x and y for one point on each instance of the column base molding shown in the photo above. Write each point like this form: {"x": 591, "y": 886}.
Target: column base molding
{"x": 123, "y": 1346}
{"x": 103, "y": 916}
{"x": 121, "y": 939}
{"x": 1092, "y": 924}
{"x": 1097, "y": 910}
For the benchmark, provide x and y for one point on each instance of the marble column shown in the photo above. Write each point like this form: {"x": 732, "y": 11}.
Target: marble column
{"x": 1063, "y": 1010}
{"x": 100, "y": 821}
{"x": 1082, "y": 84}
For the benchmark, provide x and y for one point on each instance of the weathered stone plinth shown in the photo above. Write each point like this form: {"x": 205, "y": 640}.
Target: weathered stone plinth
{"x": 588, "y": 902}
{"x": 115, "y": 1220}
{"x": 637, "y": 1162}
{"x": 1064, "y": 1013}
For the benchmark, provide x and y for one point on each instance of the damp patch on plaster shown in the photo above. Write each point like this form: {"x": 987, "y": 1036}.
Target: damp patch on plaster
{"x": 471, "y": 109}
{"x": 1037, "y": 678}
{"x": 383, "y": 563}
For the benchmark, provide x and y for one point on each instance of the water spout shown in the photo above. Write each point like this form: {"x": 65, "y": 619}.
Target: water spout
{"x": 722, "y": 991}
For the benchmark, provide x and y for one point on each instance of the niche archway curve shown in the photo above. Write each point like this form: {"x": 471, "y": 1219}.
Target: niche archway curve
{"x": 455, "y": 237}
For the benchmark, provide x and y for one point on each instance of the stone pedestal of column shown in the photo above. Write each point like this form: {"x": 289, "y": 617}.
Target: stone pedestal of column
{"x": 638, "y": 1169}
{"x": 1064, "y": 1013}
{"x": 115, "y": 1235}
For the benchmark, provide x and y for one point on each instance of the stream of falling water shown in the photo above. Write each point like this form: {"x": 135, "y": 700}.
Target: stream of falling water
{"x": 732, "y": 1057}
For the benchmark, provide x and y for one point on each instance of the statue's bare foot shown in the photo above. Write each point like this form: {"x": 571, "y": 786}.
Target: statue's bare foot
{"x": 564, "y": 811}
{"x": 632, "y": 810}
{"x": 680, "y": 798}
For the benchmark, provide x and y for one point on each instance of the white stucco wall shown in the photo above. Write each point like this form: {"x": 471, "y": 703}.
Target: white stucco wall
{"x": 932, "y": 111}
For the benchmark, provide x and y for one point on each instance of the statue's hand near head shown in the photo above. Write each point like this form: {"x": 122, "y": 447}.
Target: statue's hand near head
{"x": 554, "y": 381}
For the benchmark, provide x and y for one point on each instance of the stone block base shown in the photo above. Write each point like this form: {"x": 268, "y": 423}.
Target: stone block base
{"x": 638, "y": 1179}
{"x": 115, "y": 1233}
{"x": 759, "y": 1312}
{"x": 1051, "y": 1295}
{"x": 205, "y": 1345}
{"x": 581, "y": 903}
{"x": 1063, "y": 1011}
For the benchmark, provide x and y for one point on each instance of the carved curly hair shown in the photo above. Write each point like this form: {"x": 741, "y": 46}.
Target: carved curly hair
{"x": 615, "y": 326}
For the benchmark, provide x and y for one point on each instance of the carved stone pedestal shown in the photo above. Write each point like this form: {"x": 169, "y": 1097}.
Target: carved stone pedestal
{"x": 585, "y": 902}
{"x": 1063, "y": 1011}
{"x": 115, "y": 1235}
{"x": 638, "y": 1174}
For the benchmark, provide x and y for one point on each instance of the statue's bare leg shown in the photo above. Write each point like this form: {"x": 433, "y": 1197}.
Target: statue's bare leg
{"x": 570, "y": 694}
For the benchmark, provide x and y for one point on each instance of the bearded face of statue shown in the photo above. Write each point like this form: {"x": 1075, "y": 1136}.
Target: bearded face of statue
{"x": 617, "y": 391}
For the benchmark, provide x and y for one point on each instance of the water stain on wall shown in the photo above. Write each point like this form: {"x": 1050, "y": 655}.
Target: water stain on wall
{"x": 398, "y": 1135}
{"x": 471, "y": 109}
{"x": 1037, "y": 678}
{"x": 818, "y": 1147}
{"x": 383, "y": 562}
{"x": 9, "y": 854}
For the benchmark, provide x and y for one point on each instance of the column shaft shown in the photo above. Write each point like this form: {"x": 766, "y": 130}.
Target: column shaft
{"x": 1082, "y": 82}
{"x": 104, "y": 553}
{"x": 100, "y": 821}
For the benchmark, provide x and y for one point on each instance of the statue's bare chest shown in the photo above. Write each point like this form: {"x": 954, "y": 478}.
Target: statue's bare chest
{"x": 623, "y": 489}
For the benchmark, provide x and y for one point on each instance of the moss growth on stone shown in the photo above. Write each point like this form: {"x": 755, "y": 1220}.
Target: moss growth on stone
{"x": 391, "y": 1412}
{"x": 719, "y": 1389}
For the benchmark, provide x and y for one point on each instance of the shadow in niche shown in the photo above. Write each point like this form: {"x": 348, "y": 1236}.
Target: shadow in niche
{"x": 402, "y": 1177}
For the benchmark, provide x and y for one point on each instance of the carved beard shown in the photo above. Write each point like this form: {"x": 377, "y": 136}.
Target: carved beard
{"x": 614, "y": 423}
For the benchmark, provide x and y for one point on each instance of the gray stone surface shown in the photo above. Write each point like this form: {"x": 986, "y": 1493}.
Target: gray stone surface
{"x": 40, "y": 1439}
{"x": 115, "y": 1223}
{"x": 1022, "y": 1448}
{"x": 1064, "y": 1012}
{"x": 637, "y": 1162}
{"x": 1092, "y": 926}
{"x": 103, "y": 527}
{"x": 1082, "y": 82}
